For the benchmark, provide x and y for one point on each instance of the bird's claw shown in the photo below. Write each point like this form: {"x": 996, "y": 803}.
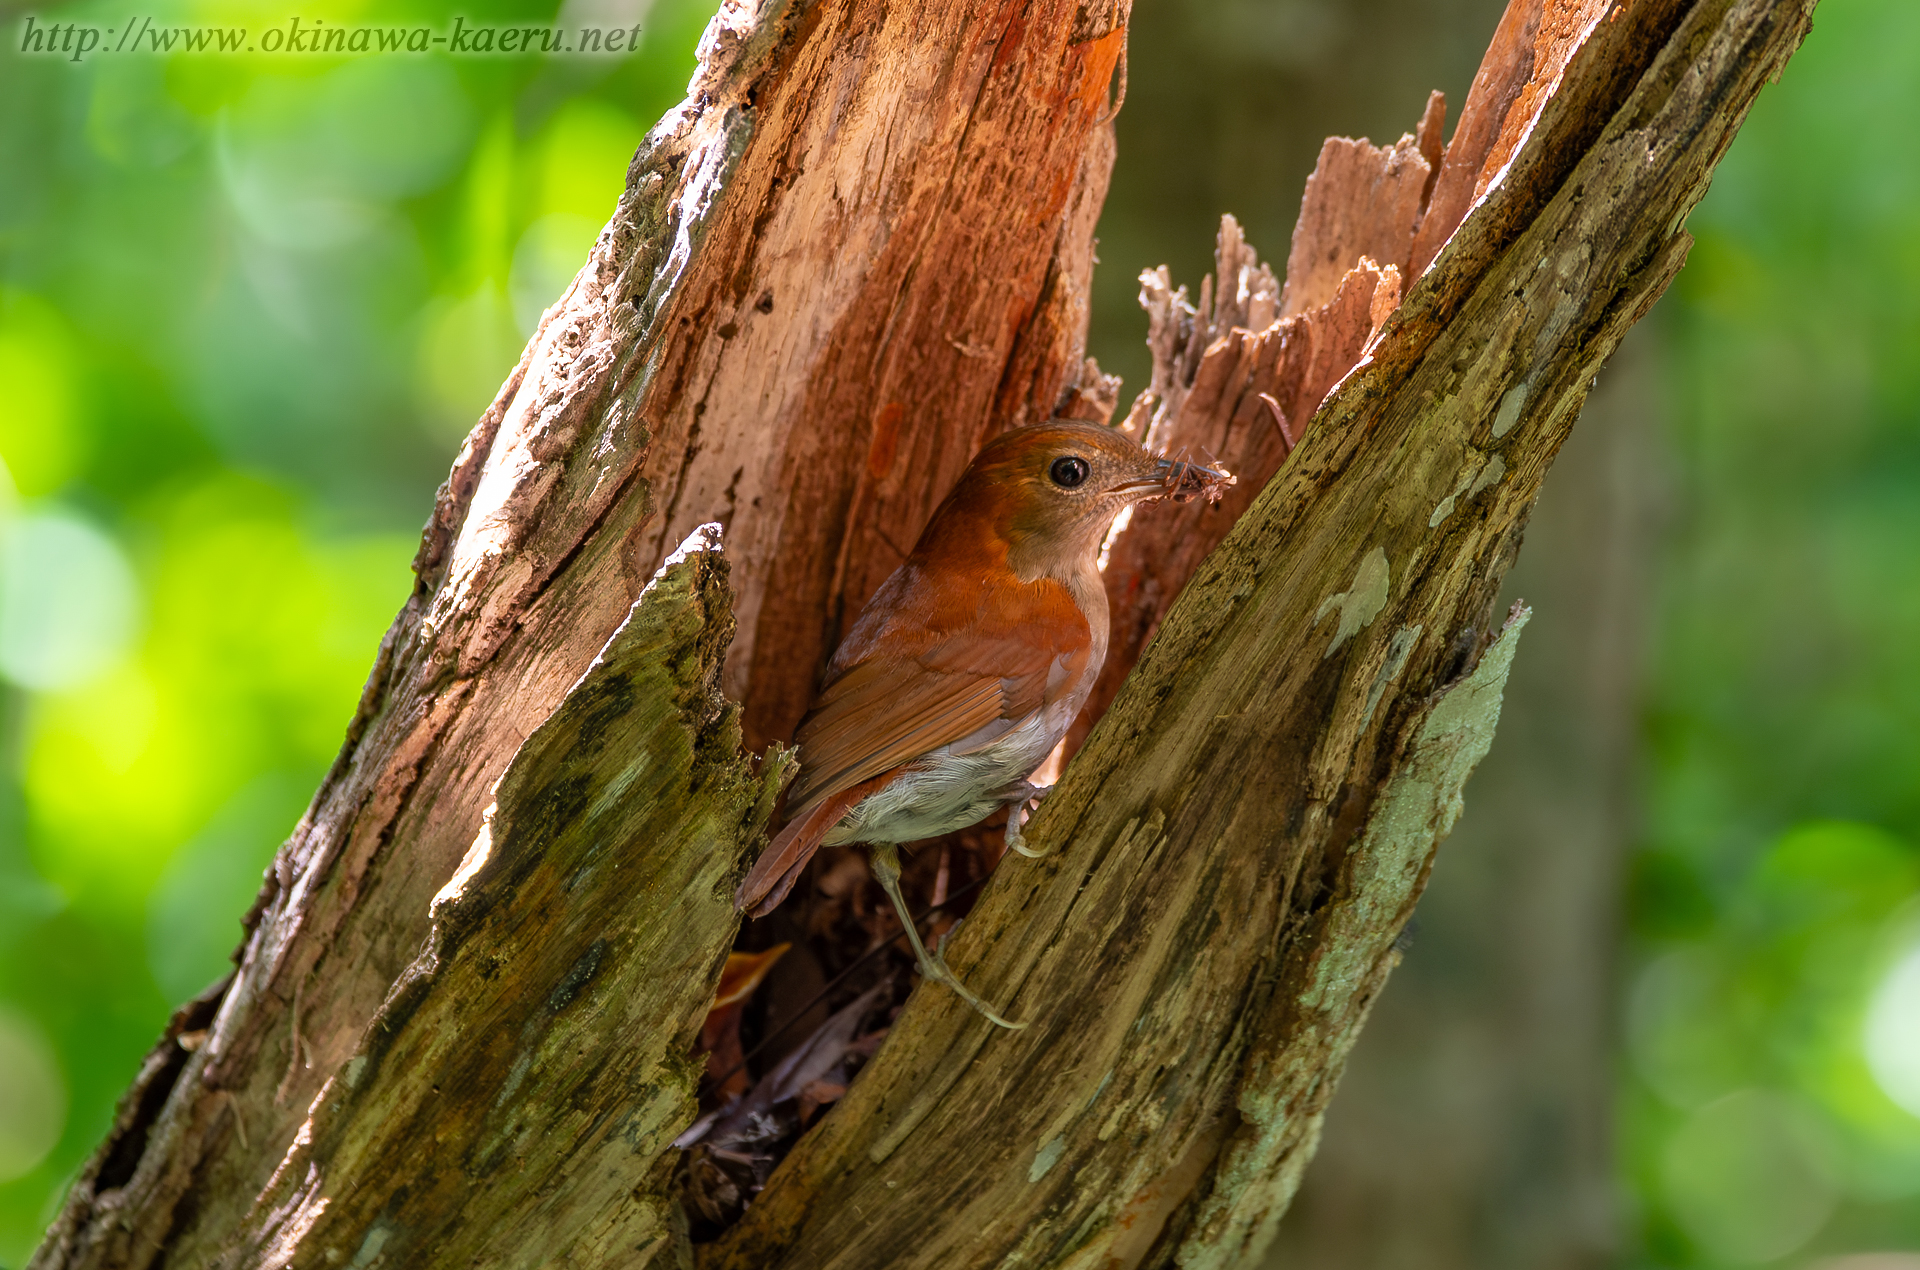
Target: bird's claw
{"x": 1017, "y": 816}
{"x": 934, "y": 966}
{"x": 1017, "y": 841}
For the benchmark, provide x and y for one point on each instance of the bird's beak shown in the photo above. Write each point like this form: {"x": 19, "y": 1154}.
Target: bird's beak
{"x": 1177, "y": 480}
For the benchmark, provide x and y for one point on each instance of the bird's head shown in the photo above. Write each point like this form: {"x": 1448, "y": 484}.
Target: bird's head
{"x": 1051, "y": 491}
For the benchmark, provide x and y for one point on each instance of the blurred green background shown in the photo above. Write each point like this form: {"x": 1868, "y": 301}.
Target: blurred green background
{"x": 250, "y": 308}
{"x": 250, "y": 305}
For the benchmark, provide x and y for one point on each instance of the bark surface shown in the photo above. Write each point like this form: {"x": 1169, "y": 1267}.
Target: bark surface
{"x": 860, "y": 247}
{"x": 1477, "y": 1107}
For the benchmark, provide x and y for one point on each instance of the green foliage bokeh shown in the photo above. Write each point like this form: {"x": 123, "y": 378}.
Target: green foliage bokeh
{"x": 249, "y": 305}
{"x": 1771, "y": 1108}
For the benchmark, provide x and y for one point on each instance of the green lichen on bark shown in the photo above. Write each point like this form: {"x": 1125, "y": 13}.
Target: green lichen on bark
{"x": 516, "y": 1099}
{"x": 1412, "y": 814}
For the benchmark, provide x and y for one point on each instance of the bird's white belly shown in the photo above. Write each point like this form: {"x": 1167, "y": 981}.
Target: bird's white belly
{"x": 944, "y": 791}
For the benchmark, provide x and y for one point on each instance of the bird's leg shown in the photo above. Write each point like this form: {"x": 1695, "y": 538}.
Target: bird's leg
{"x": 1018, "y": 796}
{"x": 886, "y": 867}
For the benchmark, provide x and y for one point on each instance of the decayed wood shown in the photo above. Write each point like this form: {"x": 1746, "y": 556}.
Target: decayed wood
{"x": 469, "y": 1129}
{"x": 1232, "y": 384}
{"x": 1362, "y": 201}
{"x": 1240, "y": 840}
{"x": 858, "y": 248}
{"x": 1477, "y": 1106}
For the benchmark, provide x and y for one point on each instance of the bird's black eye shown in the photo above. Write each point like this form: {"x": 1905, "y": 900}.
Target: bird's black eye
{"x": 1069, "y": 471}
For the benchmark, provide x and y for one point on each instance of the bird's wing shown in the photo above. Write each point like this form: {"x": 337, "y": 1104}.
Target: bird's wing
{"x": 869, "y": 723}
{"x": 867, "y": 726}
{"x": 922, "y": 684}
{"x": 962, "y": 692}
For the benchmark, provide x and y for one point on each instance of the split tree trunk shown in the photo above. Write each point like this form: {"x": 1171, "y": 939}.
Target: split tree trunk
{"x": 458, "y": 1032}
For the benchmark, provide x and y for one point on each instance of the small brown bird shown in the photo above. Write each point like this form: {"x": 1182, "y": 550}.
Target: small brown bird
{"x": 963, "y": 671}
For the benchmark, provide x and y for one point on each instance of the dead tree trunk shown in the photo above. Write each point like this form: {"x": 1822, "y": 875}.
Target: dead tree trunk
{"x": 1477, "y": 1106}
{"x": 459, "y": 1029}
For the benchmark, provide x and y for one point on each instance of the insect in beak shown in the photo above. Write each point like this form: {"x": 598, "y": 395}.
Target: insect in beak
{"x": 1183, "y": 482}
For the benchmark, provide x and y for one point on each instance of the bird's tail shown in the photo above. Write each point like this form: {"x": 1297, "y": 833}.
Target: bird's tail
{"x": 779, "y": 866}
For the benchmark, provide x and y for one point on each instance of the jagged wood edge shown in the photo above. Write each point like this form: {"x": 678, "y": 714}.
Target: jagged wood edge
{"x": 1463, "y": 402}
